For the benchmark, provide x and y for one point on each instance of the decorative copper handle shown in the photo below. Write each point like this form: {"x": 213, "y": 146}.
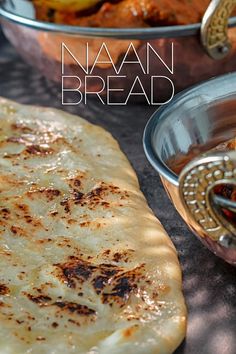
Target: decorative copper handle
{"x": 214, "y": 29}
{"x": 197, "y": 182}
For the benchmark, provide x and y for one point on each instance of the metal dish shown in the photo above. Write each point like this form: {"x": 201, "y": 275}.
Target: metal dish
{"x": 40, "y": 44}
{"x": 177, "y": 141}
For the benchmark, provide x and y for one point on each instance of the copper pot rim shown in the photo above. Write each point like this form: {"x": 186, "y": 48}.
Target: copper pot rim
{"x": 6, "y": 11}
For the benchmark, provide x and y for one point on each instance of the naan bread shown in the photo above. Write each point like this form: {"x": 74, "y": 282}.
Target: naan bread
{"x": 85, "y": 266}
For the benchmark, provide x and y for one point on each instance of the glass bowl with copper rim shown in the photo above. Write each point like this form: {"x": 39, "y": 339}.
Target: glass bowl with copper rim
{"x": 191, "y": 143}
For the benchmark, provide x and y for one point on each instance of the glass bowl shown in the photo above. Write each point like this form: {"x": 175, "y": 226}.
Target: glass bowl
{"x": 178, "y": 142}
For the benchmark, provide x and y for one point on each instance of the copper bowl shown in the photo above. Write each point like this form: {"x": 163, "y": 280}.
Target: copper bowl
{"x": 39, "y": 44}
{"x": 178, "y": 142}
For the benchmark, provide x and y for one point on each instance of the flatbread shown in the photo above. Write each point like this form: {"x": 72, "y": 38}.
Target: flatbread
{"x": 85, "y": 266}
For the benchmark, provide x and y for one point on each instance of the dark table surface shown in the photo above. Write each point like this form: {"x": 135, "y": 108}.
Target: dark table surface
{"x": 209, "y": 283}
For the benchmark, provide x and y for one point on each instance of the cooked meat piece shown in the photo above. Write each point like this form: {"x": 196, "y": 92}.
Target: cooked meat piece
{"x": 130, "y": 13}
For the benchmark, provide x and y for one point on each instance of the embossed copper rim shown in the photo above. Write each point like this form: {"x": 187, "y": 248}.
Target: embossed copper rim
{"x": 196, "y": 184}
{"x": 128, "y": 33}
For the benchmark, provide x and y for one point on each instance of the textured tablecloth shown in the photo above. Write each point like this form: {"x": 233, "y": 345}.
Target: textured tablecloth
{"x": 209, "y": 283}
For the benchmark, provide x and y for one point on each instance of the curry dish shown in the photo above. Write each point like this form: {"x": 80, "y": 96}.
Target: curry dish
{"x": 228, "y": 191}
{"x": 121, "y": 13}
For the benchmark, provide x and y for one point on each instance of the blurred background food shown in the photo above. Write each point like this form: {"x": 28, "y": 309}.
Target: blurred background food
{"x": 121, "y": 13}
{"x": 72, "y": 5}
{"x": 168, "y": 26}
